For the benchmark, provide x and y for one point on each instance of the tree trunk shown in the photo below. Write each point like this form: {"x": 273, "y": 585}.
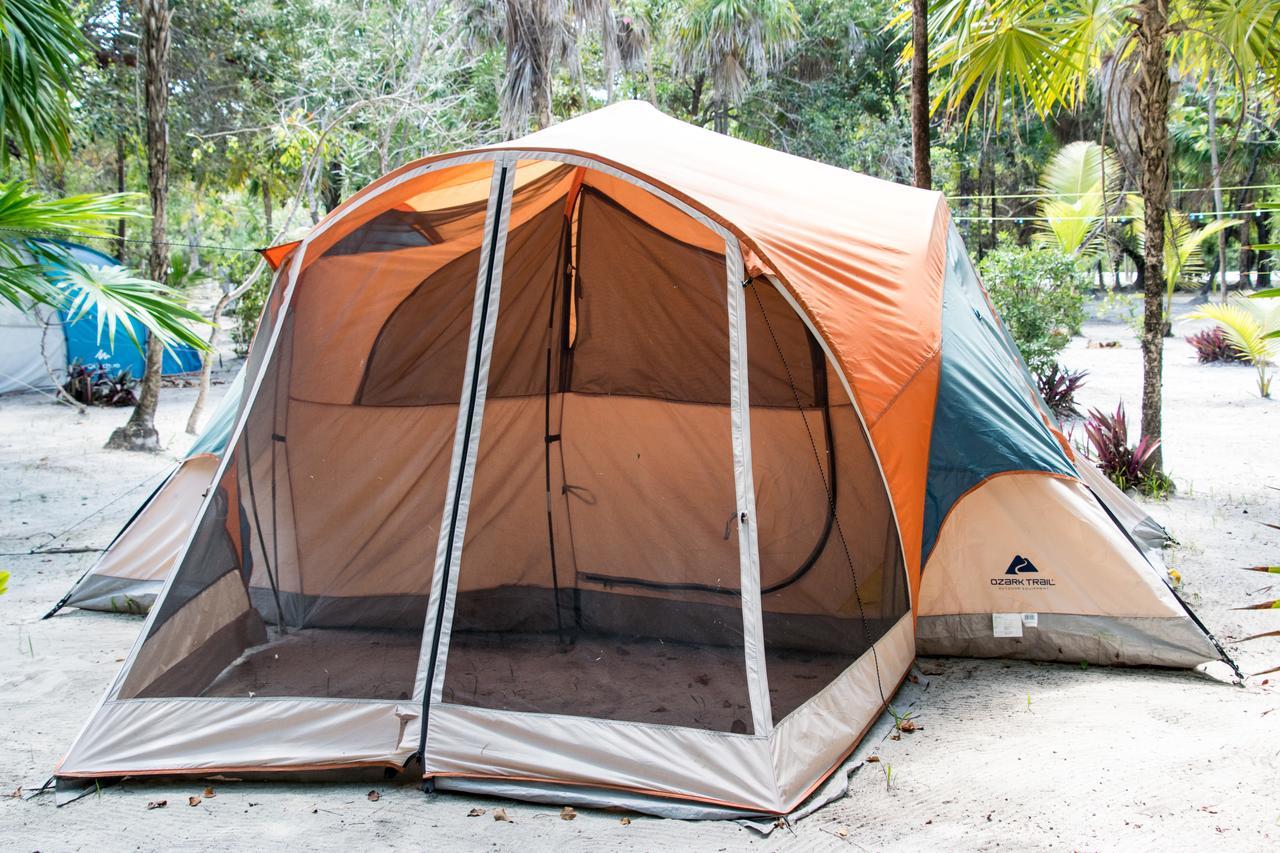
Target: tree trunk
{"x": 721, "y": 123}
{"x": 206, "y": 364}
{"x": 140, "y": 432}
{"x": 1244, "y": 200}
{"x": 648, "y": 72}
{"x": 267, "y": 212}
{"x": 1215, "y": 169}
{"x": 1153, "y": 145}
{"x": 1264, "y": 257}
{"x": 920, "y": 93}
{"x": 120, "y": 141}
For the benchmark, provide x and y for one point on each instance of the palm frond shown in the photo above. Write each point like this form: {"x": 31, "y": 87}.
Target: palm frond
{"x": 40, "y": 47}
{"x": 119, "y": 296}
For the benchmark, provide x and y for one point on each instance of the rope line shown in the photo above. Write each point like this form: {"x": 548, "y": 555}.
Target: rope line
{"x": 60, "y": 235}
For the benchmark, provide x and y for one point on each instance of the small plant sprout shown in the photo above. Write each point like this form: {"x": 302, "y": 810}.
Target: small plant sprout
{"x": 888, "y": 775}
{"x": 903, "y": 722}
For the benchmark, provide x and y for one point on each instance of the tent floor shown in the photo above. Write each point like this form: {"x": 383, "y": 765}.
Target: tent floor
{"x": 607, "y": 677}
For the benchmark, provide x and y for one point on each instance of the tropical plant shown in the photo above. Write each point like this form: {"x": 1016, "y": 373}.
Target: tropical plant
{"x": 1074, "y": 184}
{"x": 1252, "y": 327}
{"x": 1183, "y": 245}
{"x": 1212, "y": 346}
{"x": 1040, "y": 296}
{"x": 1127, "y": 466}
{"x": 93, "y": 385}
{"x": 730, "y": 43}
{"x": 992, "y": 53}
{"x": 1058, "y": 387}
{"x": 537, "y": 38}
{"x": 39, "y": 53}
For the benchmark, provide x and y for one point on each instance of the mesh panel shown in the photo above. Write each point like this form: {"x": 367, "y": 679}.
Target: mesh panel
{"x": 329, "y": 526}
{"x": 812, "y": 547}
{"x": 600, "y": 567}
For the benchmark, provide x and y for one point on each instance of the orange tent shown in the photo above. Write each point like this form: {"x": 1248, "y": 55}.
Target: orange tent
{"x": 603, "y": 464}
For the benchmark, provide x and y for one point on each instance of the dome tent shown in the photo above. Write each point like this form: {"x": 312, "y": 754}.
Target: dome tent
{"x": 604, "y": 464}
{"x": 26, "y": 347}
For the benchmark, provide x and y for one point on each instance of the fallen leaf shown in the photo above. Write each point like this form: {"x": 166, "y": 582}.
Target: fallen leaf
{"x": 567, "y": 813}
{"x": 626, "y": 821}
{"x": 157, "y": 804}
{"x": 374, "y": 796}
{"x": 501, "y": 814}
{"x": 842, "y": 832}
{"x": 872, "y": 759}
{"x": 209, "y": 794}
{"x": 907, "y": 726}
{"x": 193, "y": 801}
{"x": 475, "y": 813}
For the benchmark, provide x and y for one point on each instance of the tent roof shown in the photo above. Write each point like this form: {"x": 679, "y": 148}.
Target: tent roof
{"x": 862, "y": 256}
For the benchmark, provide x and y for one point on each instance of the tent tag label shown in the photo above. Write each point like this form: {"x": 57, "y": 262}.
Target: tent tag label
{"x": 1030, "y": 620}
{"x": 1006, "y": 624}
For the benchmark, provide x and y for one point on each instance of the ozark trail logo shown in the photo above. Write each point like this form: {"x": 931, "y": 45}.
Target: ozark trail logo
{"x": 1020, "y": 566}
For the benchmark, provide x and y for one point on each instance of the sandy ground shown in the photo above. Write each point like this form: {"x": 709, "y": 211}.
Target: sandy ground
{"x": 1011, "y": 755}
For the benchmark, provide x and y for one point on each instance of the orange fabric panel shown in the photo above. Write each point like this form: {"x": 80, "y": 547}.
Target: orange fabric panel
{"x": 276, "y": 255}
{"x": 901, "y": 437}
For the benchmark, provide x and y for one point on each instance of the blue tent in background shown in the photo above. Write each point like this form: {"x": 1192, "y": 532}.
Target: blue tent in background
{"x": 82, "y": 335}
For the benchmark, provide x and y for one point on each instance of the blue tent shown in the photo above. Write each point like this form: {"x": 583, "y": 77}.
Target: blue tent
{"x": 82, "y": 335}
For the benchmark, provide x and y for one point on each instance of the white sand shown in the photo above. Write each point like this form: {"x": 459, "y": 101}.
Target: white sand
{"x": 1012, "y": 755}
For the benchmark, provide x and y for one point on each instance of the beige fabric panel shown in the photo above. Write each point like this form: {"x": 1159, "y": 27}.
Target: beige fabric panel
{"x": 186, "y": 632}
{"x": 663, "y": 760}
{"x": 506, "y": 540}
{"x": 643, "y": 503}
{"x": 791, "y": 501}
{"x": 812, "y": 741}
{"x": 368, "y": 498}
{"x": 148, "y": 547}
{"x": 1123, "y": 507}
{"x": 207, "y": 735}
{"x": 1059, "y": 527}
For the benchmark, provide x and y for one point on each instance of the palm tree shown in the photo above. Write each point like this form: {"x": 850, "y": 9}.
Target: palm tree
{"x": 539, "y": 37}
{"x": 139, "y": 433}
{"x": 1047, "y": 53}
{"x": 731, "y": 43}
{"x": 38, "y": 56}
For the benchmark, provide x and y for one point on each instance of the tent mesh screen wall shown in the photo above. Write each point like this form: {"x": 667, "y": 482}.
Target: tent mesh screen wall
{"x": 600, "y": 567}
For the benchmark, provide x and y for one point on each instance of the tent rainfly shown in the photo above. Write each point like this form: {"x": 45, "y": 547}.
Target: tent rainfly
{"x": 622, "y": 463}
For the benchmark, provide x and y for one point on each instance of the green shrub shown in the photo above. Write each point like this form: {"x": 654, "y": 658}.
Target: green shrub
{"x": 1039, "y": 291}
{"x": 246, "y": 310}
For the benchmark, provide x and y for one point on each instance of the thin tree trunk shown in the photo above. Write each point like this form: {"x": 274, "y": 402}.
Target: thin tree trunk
{"x": 140, "y": 431}
{"x": 1244, "y": 200}
{"x": 120, "y": 187}
{"x": 120, "y": 142}
{"x": 1153, "y": 144}
{"x": 1216, "y": 174}
{"x": 267, "y": 212}
{"x": 648, "y": 72}
{"x": 1264, "y": 257}
{"x": 920, "y": 93}
{"x": 206, "y": 363}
